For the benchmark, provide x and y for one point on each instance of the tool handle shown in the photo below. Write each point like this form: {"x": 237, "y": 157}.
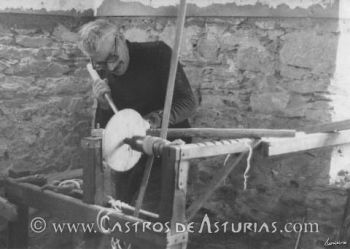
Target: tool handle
{"x": 110, "y": 102}
{"x": 94, "y": 75}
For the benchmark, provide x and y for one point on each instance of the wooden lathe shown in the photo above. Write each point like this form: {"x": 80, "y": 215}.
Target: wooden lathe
{"x": 175, "y": 163}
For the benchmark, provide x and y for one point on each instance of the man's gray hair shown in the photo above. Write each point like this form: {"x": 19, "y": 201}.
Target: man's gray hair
{"x": 92, "y": 32}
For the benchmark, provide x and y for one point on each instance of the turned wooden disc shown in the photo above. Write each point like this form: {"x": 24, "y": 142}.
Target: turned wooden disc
{"x": 126, "y": 123}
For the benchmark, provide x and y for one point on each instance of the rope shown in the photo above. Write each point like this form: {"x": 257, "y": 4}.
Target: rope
{"x": 245, "y": 175}
{"x": 117, "y": 206}
{"x": 75, "y": 182}
{"x": 115, "y": 243}
{"x": 226, "y": 158}
{"x": 251, "y": 147}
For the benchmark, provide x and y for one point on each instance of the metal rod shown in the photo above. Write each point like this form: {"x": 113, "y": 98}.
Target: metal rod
{"x": 110, "y": 102}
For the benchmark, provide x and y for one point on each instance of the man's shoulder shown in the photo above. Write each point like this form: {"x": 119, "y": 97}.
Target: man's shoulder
{"x": 152, "y": 46}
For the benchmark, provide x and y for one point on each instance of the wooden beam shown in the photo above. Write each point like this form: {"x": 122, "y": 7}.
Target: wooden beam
{"x": 303, "y": 142}
{"x": 170, "y": 159}
{"x": 8, "y": 210}
{"x": 330, "y": 127}
{"x": 91, "y": 147}
{"x": 181, "y": 17}
{"x": 168, "y": 99}
{"x": 73, "y": 210}
{"x": 18, "y": 236}
{"x": 223, "y": 133}
{"x": 217, "y": 148}
{"x": 179, "y": 240}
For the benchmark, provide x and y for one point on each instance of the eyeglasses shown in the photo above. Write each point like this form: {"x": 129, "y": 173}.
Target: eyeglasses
{"x": 111, "y": 58}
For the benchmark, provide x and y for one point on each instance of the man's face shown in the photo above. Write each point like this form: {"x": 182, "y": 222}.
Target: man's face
{"x": 111, "y": 55}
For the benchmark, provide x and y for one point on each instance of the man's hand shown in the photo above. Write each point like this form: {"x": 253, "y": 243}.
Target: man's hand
{"x": 99, "y": 89}
{"x": 154, "y": 119}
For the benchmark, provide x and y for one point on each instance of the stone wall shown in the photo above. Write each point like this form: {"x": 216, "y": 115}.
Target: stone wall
{"x": 246, "y": 72}
{"x": 44, "y": 103}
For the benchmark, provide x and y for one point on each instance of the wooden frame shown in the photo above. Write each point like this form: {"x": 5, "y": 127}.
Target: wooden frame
{"x": 303, "y": 142}
{"x": 175, "y": 163}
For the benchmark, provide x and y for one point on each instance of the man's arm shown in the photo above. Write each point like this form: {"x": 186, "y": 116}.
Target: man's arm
{"x": 184, "y": 103}
{"x": 102, "y": 116}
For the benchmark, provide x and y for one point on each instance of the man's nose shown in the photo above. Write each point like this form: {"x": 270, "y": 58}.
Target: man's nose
{"x": 113, "y": 65}
{"x": 101, "y": 67}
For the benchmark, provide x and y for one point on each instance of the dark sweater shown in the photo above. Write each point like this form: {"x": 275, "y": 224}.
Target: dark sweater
{"x": 144, "y": 84}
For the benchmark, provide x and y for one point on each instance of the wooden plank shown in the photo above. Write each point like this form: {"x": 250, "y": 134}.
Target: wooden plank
{"x": 18, "y": 230}
{"x": 208, "y": 149}
{"x": 178, "y": 240}
{"x": 170, "y": 157}
{"x": 73, "y": 210}
{"x": 18, "y": 236}
{"x": 223, "y": 133}
{"x": 8, "y": 210}
{"x": 330, "y": 127}
{"x": 304, "y": 142}
{"x": 94, "y": 184}
{"x": 93, "y": 160}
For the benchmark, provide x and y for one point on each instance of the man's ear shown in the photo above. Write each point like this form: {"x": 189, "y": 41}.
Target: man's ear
{"x": 121, "y": 33}
{"x": 122, "y": 37}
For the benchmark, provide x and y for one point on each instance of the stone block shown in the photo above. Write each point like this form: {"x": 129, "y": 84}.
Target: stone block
{"x": 3, "y": 149}
{"x": 54, "y": 69}
{"x": 190, "y": 39}
{"x": 307, "y": 85}
{"x": 211, "y": 99}
{"x": 24, "y": 31}
{"x": 208, "y": 49}
{"x": 4, "y": 31}
{"x": 240, "y": 39}
{"x": 30, "y": 66}
{"x": 168, "y": 34}
{"x": 266, "y": 24}
{"x": 294, "y": 72}
{"x": 269, "y": 102}
{"x": 13, "y": 87}
{"x": 15, "y": 54}
{"x": 252, "y": 59}
{"x": 274, "y": 34}
{"x": 33, "y": 41}
{"x": 65, "y": 85}
{"x": 62, "y": 33}
{"x": 309, "y": 50}
{"x": 136, "y": 35}
{"x": 6, "y": 40}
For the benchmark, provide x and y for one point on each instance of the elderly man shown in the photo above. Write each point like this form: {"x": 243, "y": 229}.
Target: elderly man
{"x": 136, "y": 77}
